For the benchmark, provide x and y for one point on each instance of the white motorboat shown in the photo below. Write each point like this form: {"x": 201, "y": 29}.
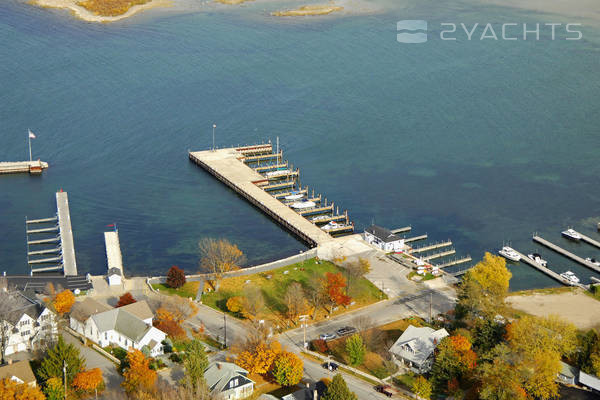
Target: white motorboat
{"x": 331, "y": 225}
{"x": 301, "y": 205}
{"x": 509, "y": 253}
{"x": 320, "y": 218}
{"x": 538, "y": 259}
{"x": 279, "y": 172}
{"x": 571, "y": 277}
{"x": 571, "y": 234}
{"x": 294, "y": 196}
{"x": 593, "y": 261}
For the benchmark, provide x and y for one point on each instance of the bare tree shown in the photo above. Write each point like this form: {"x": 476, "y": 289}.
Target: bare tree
{"x": 316, "y": 293}
{"x": 254, "y": 302}
{"x": 295, "y": 300}
{"x": 356, "y": 269}
{"x": 182, "y": 308}
{"x": 219, "y": 256}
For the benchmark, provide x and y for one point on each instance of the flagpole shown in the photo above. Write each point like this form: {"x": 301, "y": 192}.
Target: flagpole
{"x": 29, "y": 137}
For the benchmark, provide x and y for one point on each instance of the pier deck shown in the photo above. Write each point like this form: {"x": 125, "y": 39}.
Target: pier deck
{"x": 66, "y": 234}
{"x": 34, "y": 167}
{"x": 589, "y": 240}
{"x": 228, "y": 166}
{"x": 548, "y": 271}
{"x": 566, "y": 253}
{"x": 415, "y": 238}
{"x": 439, "y": 255}
{"x": 401, "y": 230}
{"x": 455, "y": 262}
{"x": 432, "y": 247}
{"x": 114, "y": 258}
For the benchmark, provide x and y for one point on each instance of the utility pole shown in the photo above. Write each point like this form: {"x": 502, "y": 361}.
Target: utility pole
{"x": 65, "y": 376}
{"x": 303, "y": 319}
{"x": 214, "y": 127}
{"x": 225, "y": 325}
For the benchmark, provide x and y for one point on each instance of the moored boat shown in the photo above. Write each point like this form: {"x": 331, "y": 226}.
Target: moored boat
{"x": 571, "y": 277}
{"x": 593, "y": 261}
{"x": 294, "y": 196}
{"x": 300, "y": 205}
{"x": 571, "y": 234}
{"x": 538, "y": 259}
{"x": 509, "y": 253}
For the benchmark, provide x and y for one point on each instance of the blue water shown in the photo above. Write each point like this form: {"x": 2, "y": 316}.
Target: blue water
{"x": 478, "y": 141}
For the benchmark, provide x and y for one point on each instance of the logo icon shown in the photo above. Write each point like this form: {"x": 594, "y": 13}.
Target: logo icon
{"x": 412, "y": 26}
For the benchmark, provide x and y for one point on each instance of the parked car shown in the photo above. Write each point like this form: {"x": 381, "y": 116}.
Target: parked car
{"x": 346, "y": 330}
{"x": 386, "y": 389}
{"x": 327, "y": 336}
{"x": 330, "y": 366}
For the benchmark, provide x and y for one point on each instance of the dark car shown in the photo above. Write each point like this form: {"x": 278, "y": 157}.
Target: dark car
{"x": 385, "y": 389}
{"x": 330, "y": 366}
{"x": 346, "y": 330}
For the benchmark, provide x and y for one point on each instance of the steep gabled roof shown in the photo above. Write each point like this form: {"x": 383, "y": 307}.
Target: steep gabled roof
{"x": 219, "y": 374}
{"x": 383, "y": 234}
{"x": 140, "y": 309}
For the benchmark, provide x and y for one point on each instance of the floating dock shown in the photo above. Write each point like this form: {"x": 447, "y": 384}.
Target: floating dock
{"x": 415, "y": 238}
{"x": 229, "y": 166}
{"x": 401, "y": 230}
{"x": 548, "y": 271}
{"x": 33, "y": 167}
{"x": 455, "y": 262}
{"x": 589, "y": 240}
{"x": 439, "y": 255}
{"x": 566, "y": 253}
{"x": 61, "y": 227}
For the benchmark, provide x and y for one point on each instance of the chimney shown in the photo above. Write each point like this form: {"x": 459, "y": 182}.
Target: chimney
{"x": 218, "y": 365}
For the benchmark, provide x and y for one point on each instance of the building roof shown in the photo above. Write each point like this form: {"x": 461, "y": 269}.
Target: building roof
{"x": 121, "y": 321}
{"x": 218, "y": 375}
{"x": 383, "y": 234}
{"x": 417, "y": 344}
{"x": 588, "y": 380}
{"x": 15, "y": 304}
{"x": 568, "y": 371}
{"x": 140, "y": 309}
{"x": 82, "y": 310}
{"x": 20, "y": 370}
{"x": 114, "y": 271}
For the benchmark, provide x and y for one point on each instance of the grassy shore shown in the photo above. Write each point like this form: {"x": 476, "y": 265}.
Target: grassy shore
{"x": 311, "y": 10}
{"x": 189, "y": 289}
{"x": 273, "y": 285}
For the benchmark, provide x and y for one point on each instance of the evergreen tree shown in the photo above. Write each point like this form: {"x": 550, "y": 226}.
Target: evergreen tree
{"x": 62, "y": 354}
{"x": 338, "y": 390}
{"x": 195, "y": 364}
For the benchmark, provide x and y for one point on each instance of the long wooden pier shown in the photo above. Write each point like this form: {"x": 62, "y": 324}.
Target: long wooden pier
{"x": 401, "y": 230}
{"x": 61, "y": 226}
{"x": 589, "y": 240}
{"x": 455, "y": 262}
{"x": 415, "y": 238}
{"x": 434, "y": 246}
{"x": 566, "y": 253}
{"x": 228, "y": 166}
{"x": 33, "y": 167}
{"x": 548, "y": 271}
{"x": 439, "y": 255}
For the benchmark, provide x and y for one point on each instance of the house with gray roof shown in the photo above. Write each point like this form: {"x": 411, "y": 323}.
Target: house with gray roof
{"x": 384, "y": 239}
{"x": 228, "y": 381}
{"x": 415, "y": 348}
{"x": 128, "y": 327}
{"x": 27, "y": 322}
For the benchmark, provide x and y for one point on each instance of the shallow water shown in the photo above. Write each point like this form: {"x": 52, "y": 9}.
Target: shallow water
{"x": 479, "y": 141}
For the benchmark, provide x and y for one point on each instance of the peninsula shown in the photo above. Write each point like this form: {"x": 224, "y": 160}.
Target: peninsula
{"x": 311, "y": 10}
{"x": 102, "y": 10}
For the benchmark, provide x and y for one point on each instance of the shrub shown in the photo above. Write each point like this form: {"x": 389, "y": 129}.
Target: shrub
{"x": 355, "y": 348}
{"x": 175, "y": 357}
{"x": 320, "y": 345}
{"x": 175, "y": 277}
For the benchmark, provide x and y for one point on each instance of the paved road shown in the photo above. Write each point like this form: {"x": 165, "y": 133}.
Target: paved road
{"x": 214, "y": 324}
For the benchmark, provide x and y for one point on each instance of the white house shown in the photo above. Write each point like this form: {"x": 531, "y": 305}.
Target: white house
{"x": 114, "y": 258}
{"x": 27, "y": 323}
{"x": 384, "y": 239}
{"x": 228, "y": 381}
{"x": 128, "y": 327}
{"x": 416, "y": 347}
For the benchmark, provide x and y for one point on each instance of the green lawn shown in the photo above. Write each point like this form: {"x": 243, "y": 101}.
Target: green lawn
{"x": 189, "y": 289}
{"x": 405, "y": 380}
{"x": 273, "y": 285}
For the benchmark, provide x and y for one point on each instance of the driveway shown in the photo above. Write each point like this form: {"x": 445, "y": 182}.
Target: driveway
{"x": 93, "y": 359}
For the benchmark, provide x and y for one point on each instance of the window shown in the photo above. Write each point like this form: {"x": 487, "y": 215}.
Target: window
{"x": 25, "y": 333}
{"x": 24, "y": 323}
{"x": 106, "y": 335}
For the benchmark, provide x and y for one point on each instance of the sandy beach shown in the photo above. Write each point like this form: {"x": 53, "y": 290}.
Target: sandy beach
{"x": 576, "y": 307}
{"x": 89, "y": 16}
{"x": 308, "y": 11}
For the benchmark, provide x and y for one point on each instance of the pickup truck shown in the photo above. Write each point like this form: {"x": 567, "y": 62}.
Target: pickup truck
{"x": 386, "y": 389}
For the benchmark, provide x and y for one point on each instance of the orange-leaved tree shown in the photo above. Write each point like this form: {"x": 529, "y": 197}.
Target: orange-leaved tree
{"x": 64, "y": 301}
{"x": 261, "y": 359}
{"x": 168, "y": 323}
{"x": 464, "y": 354}
{"x": 10, "y": 389}
{"x": 88, "y": 381}
{"x": 138, "y": 376}
{"x": 126, "y": 299}
{"x": 335, "y": 289}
